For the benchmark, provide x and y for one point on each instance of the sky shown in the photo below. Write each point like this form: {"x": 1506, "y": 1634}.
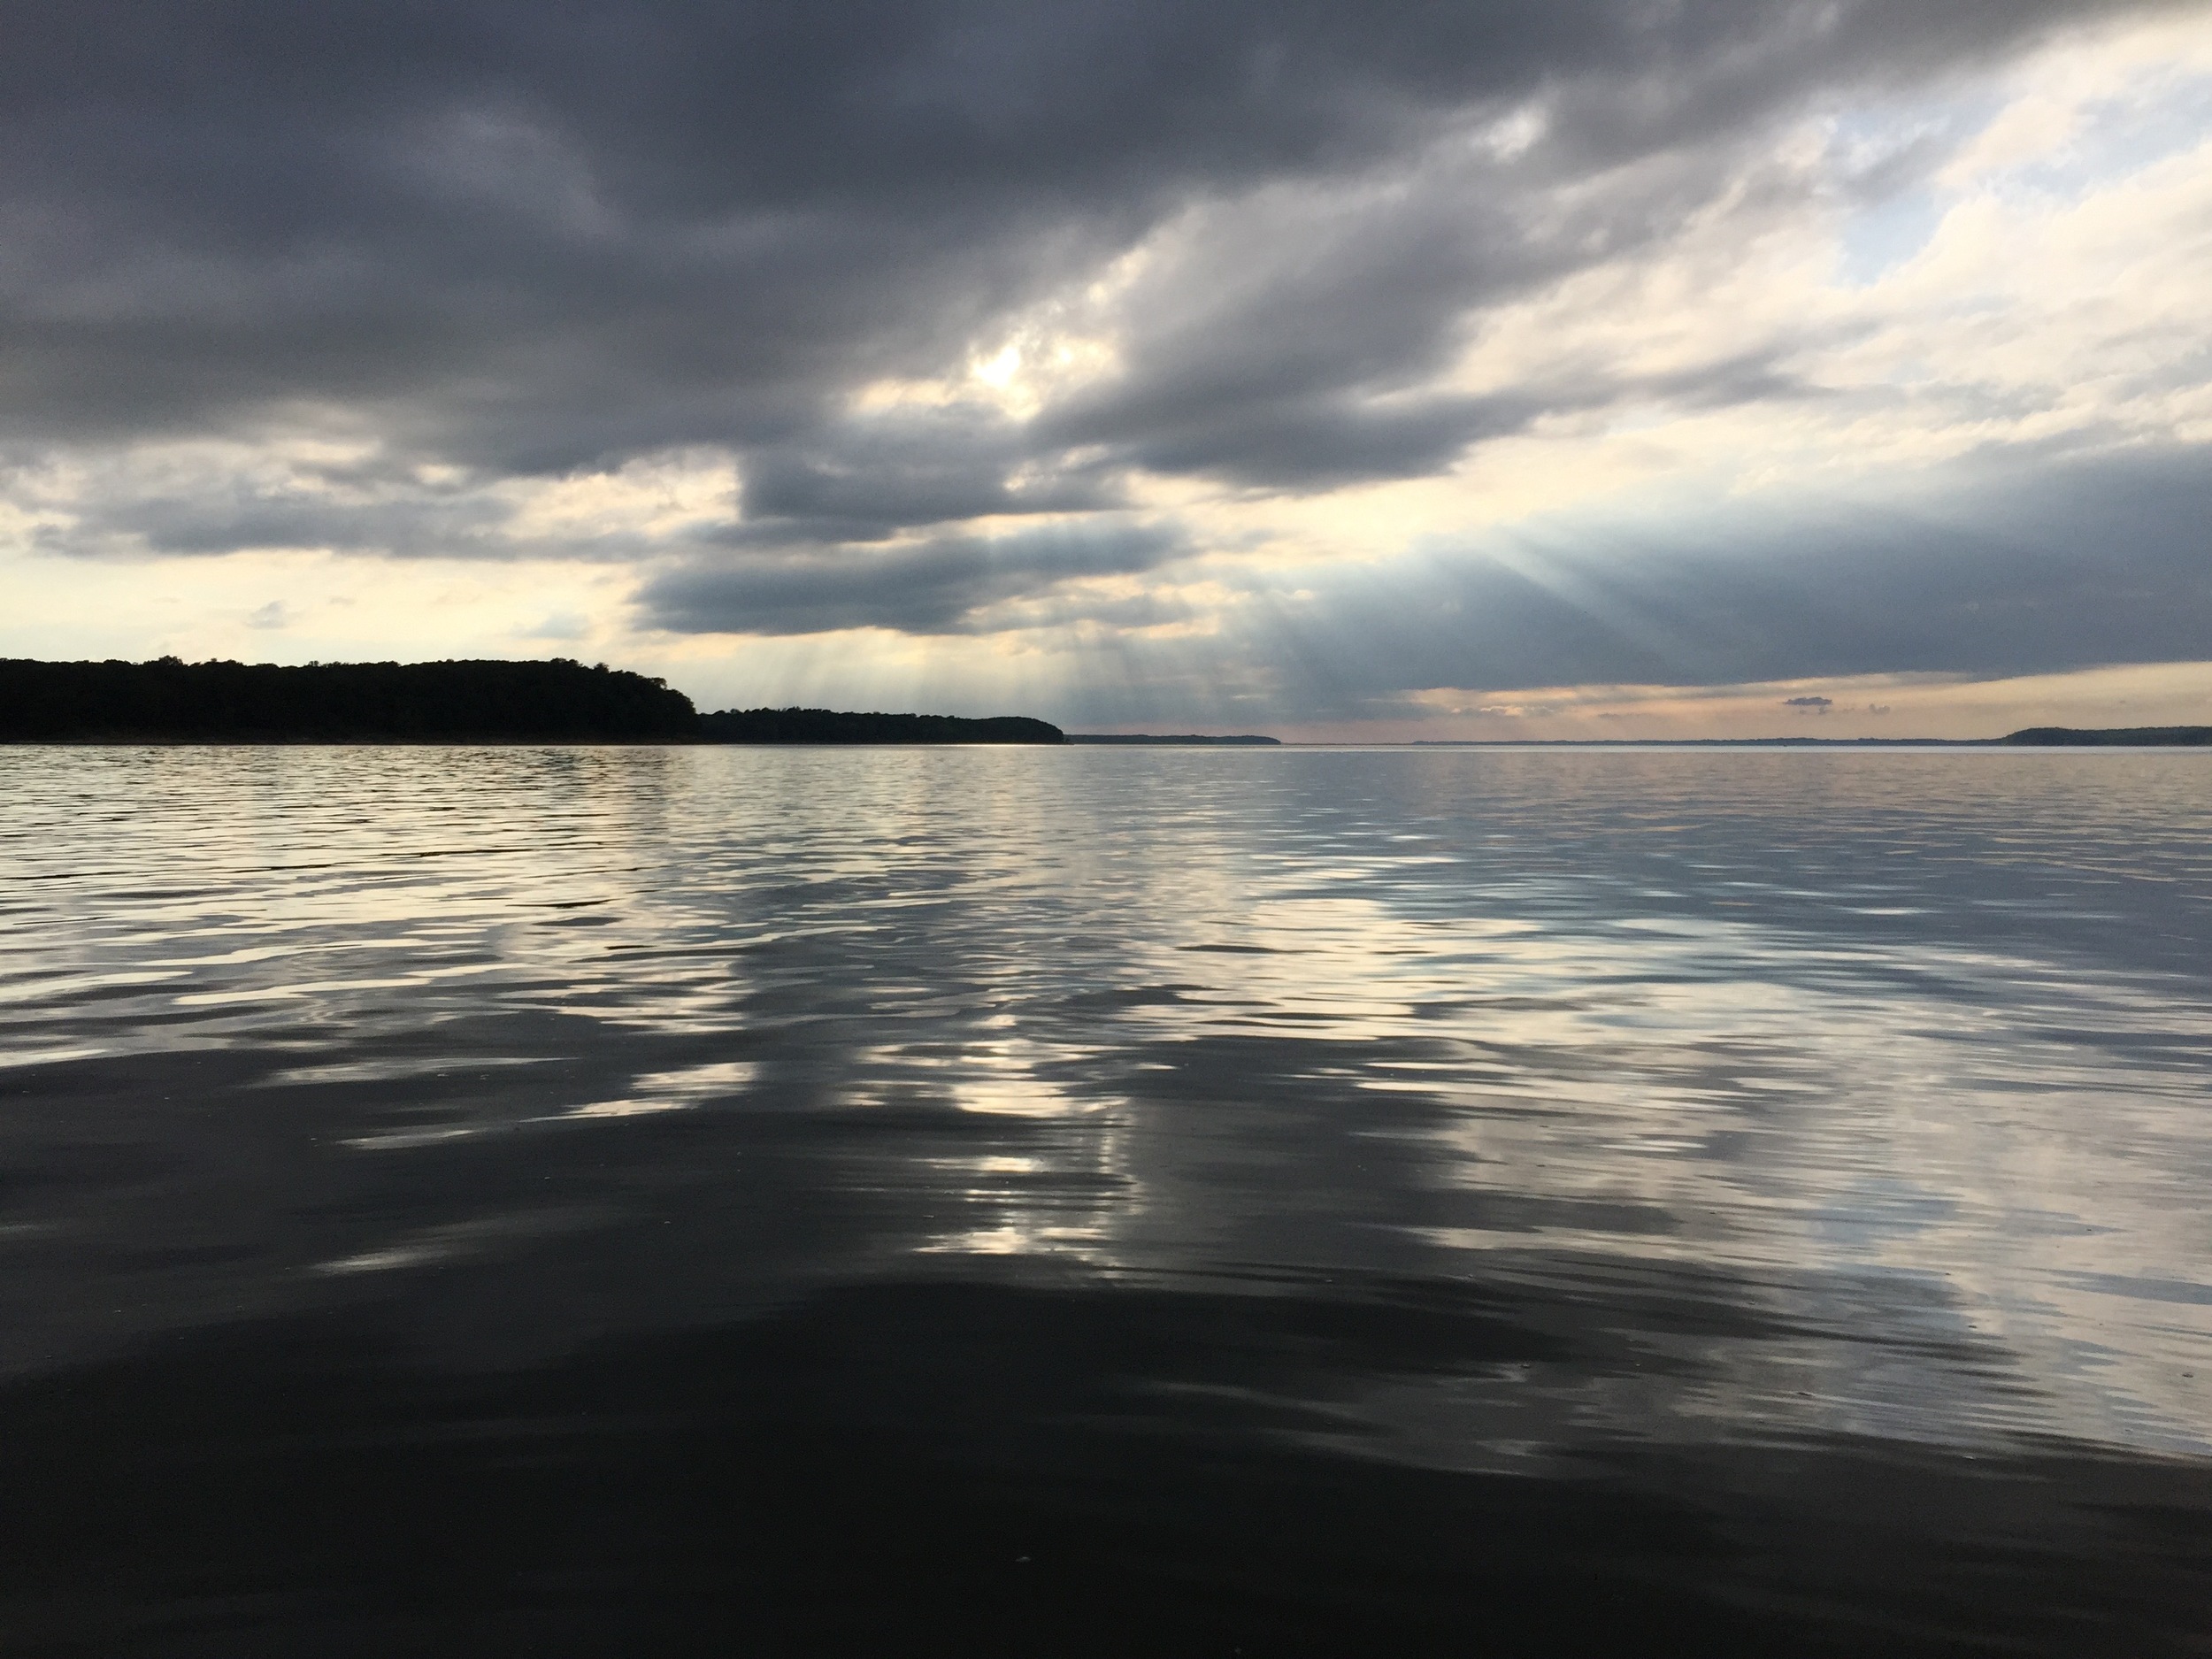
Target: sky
{"x": 1503, "y": 369}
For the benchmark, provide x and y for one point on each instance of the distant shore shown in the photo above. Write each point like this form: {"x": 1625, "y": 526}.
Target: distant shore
{"x": 559, "y": 701}
{"x": 1186, "y": 741}
{"x": 826, "y": 726}
{"x": 2031, "y": 737}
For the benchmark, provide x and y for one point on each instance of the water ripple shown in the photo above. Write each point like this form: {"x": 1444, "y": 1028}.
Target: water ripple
{"x": 1905, "y": 1053}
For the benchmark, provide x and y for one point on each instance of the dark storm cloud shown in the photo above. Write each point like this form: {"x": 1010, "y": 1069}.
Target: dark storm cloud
{"x": 339, "y": 508}
{"x": 190, "y": 525}
{"x": 515, "y": 240}
{"x": 1285, "y": 348}
{"x": 862, "y": 481}
{"x": 534, "y": 237}
{"x": 932, "y": 587}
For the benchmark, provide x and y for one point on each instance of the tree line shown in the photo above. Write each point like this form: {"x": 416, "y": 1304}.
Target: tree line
{"x": 823, "y": 725}
{"x": 557, "y": 701}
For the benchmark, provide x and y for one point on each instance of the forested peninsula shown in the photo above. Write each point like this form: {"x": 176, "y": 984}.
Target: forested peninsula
{"x": 482, "y": 702}
{"x": 174, "y": 701}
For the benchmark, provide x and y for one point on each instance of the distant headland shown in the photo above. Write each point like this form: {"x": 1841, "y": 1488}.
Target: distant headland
{"x": 823, "y": 726}
{"x": 1187, "y": 741}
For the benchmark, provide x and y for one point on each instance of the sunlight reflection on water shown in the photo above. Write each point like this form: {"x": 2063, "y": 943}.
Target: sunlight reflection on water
{"x": 1905, "y": 1053}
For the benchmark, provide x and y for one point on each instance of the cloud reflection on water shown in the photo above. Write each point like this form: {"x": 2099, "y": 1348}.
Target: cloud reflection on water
{"x": 1901, "y": 1054}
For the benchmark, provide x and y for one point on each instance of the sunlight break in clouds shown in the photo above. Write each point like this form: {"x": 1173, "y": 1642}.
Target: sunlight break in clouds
{"x": 1443, "y": 372}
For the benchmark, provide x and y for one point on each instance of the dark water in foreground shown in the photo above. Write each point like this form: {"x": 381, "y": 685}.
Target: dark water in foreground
{"x": 635, "y": 1201}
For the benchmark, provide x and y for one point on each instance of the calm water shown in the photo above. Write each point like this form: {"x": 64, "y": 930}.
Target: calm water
{"x": 444, "y": 1193}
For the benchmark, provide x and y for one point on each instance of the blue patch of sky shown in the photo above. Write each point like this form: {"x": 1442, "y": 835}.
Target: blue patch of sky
{"x": 1876, "y": 240}
{"x": 2119, "y": 136}
{"x": 1885, "y": 155}
{"x": 2116, "y": 137}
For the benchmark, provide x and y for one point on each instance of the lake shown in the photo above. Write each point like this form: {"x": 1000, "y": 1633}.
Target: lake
{"x": 609, "y": 1200}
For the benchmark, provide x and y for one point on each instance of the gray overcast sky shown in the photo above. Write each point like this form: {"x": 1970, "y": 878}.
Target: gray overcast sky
{"x": 1489, "y": 369}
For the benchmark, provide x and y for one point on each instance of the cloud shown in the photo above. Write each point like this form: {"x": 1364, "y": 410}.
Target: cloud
{"x": 864, "y": 481}
{"x": 2039, "y": 566}
{"x": 937, "y": 586}
{"x": 534, "y": 241}
{"x": 185, "y": 525}
{"x": 955, "y": 317}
